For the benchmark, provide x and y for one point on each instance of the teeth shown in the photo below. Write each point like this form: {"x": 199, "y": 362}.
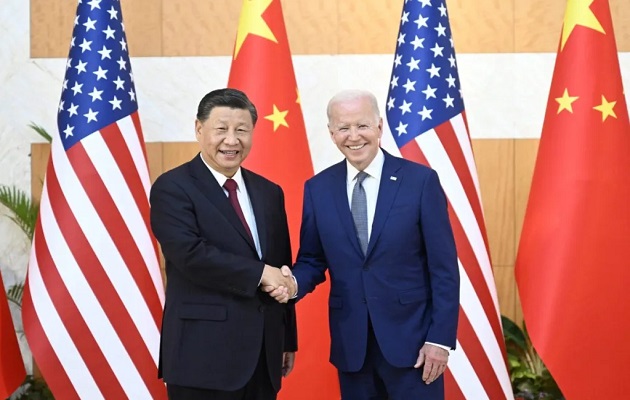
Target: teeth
{"x": 355, "y": 147}
{"x": 230, "y": 152}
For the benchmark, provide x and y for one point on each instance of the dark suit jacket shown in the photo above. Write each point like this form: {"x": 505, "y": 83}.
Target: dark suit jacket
{"x": 215, "y": 316}
{"x": 409, "y": 280}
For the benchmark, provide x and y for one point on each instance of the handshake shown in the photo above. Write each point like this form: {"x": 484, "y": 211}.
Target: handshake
{"x": 278, "y": 283}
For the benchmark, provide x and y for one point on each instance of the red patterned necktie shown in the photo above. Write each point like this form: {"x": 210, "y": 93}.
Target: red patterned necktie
{"x": 230, "y": 185}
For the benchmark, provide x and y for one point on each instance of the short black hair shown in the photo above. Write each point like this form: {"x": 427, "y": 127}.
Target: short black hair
{"x": 232, "y": 98}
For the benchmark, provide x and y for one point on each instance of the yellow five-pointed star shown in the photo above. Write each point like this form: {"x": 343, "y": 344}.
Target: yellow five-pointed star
{"x": 278, "y": 118}
{"x": 299, "y": 99}
{"x": 252, "y": 22}
{"x": 606, "y": 108}
{"x": 566, "y": 102}
{"x": 579, "y": 13}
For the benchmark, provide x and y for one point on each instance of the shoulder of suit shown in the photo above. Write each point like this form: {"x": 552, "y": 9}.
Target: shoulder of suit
{"x": 412, "y": 165}
{"x": 175, "y": 173}
{"x": 260, "y": 180}
{"x": 333, "y": 170}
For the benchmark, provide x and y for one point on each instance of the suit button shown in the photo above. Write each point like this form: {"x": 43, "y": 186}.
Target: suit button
{"x": 364, "y": 301}
{"x": 261, "y": 308}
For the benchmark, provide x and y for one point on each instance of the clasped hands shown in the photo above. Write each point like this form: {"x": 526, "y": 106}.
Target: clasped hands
{"x": 279, "y": 283}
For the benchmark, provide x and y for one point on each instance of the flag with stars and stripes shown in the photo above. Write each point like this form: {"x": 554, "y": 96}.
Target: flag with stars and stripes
{"x": 94, "y": 293}
{"x": 572, "y": 268}
{"x": 425, "y": 114}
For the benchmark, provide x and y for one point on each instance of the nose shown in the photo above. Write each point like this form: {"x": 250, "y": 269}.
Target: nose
{"x": 230, "y": 138}
{"x": 354, "y": 132}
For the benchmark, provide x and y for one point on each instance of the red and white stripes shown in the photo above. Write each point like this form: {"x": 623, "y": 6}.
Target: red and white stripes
{"x": 477, "y": 369}
{"x": 94, "y": 297}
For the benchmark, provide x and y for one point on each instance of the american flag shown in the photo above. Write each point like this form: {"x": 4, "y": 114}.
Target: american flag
{"x": 94, "y": 297}
{"x": 425, "y": 113}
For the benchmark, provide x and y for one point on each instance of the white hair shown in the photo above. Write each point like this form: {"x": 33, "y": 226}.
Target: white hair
{"x": 353, "y": 94}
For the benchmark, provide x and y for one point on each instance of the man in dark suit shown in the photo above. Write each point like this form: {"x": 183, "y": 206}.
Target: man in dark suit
{"x": 380, "y": 225}
{"x": 223, "y": 231}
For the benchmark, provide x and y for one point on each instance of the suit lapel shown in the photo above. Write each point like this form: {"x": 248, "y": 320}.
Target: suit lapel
{"x": 258, "y": 199}
{"x": 387, "y": 191}
{"x": 340, "y": 195}
{"x": 209, "y": 186}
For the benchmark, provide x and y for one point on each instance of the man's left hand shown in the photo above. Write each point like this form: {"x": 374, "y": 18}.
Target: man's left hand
{"x": 288, "y": 360}
{"x": 434, "y": 359}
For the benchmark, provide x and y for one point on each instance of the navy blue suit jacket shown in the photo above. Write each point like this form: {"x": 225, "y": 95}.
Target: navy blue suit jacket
{"x": 215, "y": 316}
{"x": 408, "y": 282}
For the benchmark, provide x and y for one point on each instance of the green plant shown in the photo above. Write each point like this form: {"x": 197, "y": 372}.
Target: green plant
{"x": 40, "y": 131}
{"x": 33, "y": 389}
{"x": 530, "y": 378}
{"x": 15, "y": 293}
{"x": 23, "y": 212}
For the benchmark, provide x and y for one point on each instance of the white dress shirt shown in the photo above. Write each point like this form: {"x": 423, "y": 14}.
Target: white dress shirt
{"x": 370, "y": 184}
{"x": 243, "y": 200}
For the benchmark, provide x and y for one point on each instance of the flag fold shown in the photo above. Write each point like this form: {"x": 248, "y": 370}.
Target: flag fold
{"x": 12, "y": 370}
{"x": 94, "y": 293}
{"x": 262, "y": 68}
{"x": 572, "y": 264}
{"x": 426, "y": 116}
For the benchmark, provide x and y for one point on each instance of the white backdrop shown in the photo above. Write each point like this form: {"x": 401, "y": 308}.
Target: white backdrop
{"x": 505, "y": 97}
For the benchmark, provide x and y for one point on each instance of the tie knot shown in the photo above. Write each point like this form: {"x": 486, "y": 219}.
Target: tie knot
{"x": 230, "y": 185}
{"x": 361, "y": 177}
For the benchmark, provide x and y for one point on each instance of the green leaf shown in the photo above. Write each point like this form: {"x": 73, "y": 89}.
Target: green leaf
{"x": 15, "y": 293}
{"x": 23, "y": 211}
{"x": 41, "y": 131}
{"x": 513, "y": 334}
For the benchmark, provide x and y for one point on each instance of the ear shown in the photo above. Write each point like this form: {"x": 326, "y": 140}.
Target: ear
{"x": 198, "y": 126}
{"x": 332, "y": 135}
{"x": 380, "y": 127}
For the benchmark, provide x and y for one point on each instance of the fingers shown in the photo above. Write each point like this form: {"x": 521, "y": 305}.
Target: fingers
{"x": 420, "y": 360}
{"x": 435, "y": 359}
{"x": 279, "y": 283}
{"x": 267, "y": 289}
{"x": 430, "y": 372}
{"x": 275, "y": 277}
{"x": 288, "y": 361}
{"x": 280, "y": 294}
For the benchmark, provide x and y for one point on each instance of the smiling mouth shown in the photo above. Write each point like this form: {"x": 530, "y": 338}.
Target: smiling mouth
{"x": 357, "y": 147}
{"x": 229, "y": 152}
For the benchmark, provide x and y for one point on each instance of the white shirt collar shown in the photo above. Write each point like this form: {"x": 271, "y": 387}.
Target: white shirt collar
{"x": 238, "y": 176}
{"x": 375, "y": 169}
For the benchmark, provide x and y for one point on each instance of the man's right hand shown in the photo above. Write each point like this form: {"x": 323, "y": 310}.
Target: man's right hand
{"x": 282, "y": 288}
{"x": 278, "y": 283}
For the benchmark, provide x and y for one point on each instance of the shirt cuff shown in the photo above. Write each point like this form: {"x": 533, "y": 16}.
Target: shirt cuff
{"x": 296, "y": 287}
{"x": 441, "y": 346}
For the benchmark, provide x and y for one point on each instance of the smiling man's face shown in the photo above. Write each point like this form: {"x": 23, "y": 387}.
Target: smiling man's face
{"x": 356, "y": 129}
{"x": 225, "y": 138}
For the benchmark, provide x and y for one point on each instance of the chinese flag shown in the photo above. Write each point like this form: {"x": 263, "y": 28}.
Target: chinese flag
{"x": 573, "y": 264}
{"x": 12, "y": 371}
{"x": 262, "y": 68}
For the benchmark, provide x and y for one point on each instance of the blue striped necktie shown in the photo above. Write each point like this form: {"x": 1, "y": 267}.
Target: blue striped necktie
{"x": 359, "y": 211}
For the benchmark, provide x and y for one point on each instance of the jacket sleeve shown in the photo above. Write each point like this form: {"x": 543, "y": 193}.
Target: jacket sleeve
{"x": 310, "y": 267}
{"x": 290, "y": 333}
{"x": 175, "y": 225}
{"x": 442, "y": 263}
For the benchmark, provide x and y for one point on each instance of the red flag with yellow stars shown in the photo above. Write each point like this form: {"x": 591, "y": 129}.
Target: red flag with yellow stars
{"x": 573, "y": 264}
{"x": 262, "y": 68}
